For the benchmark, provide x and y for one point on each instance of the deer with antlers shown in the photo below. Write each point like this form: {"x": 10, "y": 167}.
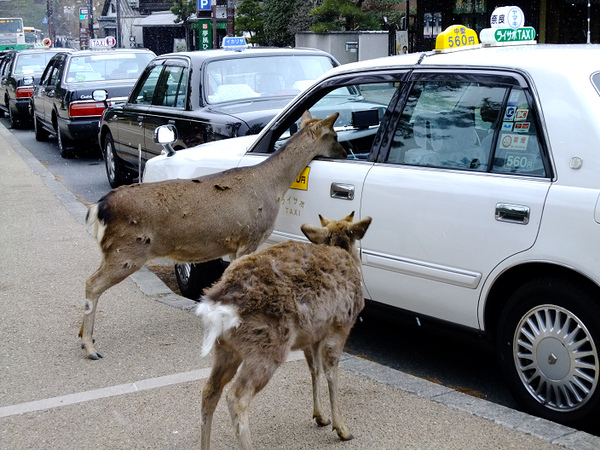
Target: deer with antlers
{"x": 293, "y": 295}
{"x": 197, "y": 220}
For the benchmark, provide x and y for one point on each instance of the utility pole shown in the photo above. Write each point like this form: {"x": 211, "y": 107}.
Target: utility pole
{"x": 213, "y": 11}
{"x": 91, "y": 19}
{"x": 230, "y": 18}
{"x": 50, "y": 14}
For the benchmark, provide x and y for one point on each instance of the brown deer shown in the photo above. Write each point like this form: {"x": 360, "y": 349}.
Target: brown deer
{"x": 197, "y": 220}
{"x": 293, "y": 295}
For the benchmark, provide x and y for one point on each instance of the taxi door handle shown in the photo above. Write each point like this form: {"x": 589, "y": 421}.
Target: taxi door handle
{"x": 342, "y": 191}
{"x": 506, "y": 212}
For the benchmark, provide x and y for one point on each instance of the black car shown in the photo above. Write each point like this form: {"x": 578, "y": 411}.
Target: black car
{"x": 62, "y": 102}
{"x": 208, "y": 95}
{"x": 20, "y": 70}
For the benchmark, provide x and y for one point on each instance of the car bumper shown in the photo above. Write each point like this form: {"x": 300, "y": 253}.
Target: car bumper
{"x": 80, "y": 129}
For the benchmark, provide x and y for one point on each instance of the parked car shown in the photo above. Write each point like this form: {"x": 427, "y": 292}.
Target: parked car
{"x": 62, "y": 103}
{"x": 208, "y": 95}
{"x": 482, "y": 181}
{"x": 20, "y": 70}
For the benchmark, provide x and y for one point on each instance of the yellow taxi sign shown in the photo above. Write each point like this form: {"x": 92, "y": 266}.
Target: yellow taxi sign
{"x": 302, "y": 180}
{"x": 456, "y": 37}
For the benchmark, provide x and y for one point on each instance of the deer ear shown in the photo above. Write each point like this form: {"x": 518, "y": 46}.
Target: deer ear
{"x": 324, "y": 220}
{"x": 316, "y": 235}
{"x": 306, "y": 118}
{"x": 330, "y": 121}
{"x": 359, "y": 229}
{"x": 349, "y": 217}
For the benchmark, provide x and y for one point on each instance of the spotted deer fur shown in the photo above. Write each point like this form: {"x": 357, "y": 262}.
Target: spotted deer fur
{"x": 197, "y": 220}
{"x": 294, "y": 295}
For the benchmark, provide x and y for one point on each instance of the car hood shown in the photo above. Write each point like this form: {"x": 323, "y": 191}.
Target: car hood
{"x": 198, "y": 161}
{"x": 256, "y": 113}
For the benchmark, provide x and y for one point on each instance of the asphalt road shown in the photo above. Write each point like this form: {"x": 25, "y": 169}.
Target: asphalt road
{"x": 465, "y": 365}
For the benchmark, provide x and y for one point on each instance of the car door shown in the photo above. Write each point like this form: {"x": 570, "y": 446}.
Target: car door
{"x": 333, "y": 188}
{"x": 169, "y": 105}
{"x": 460, "y": 188}
{"x": 130, "y": 120}
{"x": 46, "y": 90}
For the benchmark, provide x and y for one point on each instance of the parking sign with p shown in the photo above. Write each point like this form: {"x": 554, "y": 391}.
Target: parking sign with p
{"x": 204, "y": 5}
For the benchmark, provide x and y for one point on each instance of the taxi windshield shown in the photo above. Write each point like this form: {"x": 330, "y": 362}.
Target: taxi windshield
{"x": 265, "y": 76}
{"x": 106, "y": 66}
{"x": 29, "y": 63}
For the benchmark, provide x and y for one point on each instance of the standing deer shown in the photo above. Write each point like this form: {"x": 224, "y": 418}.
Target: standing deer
{"x": 294, "y": 295}
{"x": 198, "y": 220}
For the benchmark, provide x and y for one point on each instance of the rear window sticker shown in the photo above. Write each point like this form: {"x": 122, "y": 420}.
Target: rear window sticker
{"x": 521, "y": 127}
{"x": 507, "y": 126}
{"x": 510, "y": 113}
{"x": 514, "y": 142}
{"x": 521, "y": 114}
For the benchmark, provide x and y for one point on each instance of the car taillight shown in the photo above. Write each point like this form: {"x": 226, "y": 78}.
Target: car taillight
{"x": 86, "y": 109}
{"x": 25, "y": 92}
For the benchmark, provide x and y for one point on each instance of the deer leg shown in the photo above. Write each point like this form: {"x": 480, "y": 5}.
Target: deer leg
{"x": 315, "y": 365}
{"x": 224, "y": 369}
{"x": 111, "y": 272}
{"x": 251, "y": 379}
{"x": 331, "y": 358}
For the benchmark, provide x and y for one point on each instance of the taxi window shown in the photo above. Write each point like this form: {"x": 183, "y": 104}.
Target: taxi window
{"x": 517, "y": 148}
{"x": 361, "y": 108}
{"x": 596, "y": 81}
{"x": 467, "y": 125}
{"x": 175, "y": 89}
{"x": 144, "y": 91}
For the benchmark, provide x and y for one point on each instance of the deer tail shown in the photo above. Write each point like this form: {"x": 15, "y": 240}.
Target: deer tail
{"x": 93, "y": 222}
{"x": 216, "y": 319}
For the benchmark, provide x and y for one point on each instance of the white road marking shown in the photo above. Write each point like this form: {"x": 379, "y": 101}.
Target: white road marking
{"x": 111, "y": 391}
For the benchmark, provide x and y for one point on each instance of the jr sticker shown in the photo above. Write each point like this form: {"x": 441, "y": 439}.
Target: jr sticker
{"x": 514, "y": 142}
{"x": 302, "y": 180}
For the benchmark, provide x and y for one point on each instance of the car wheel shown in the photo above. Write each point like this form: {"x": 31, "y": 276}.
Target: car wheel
{"x": 64, "y": 145}
{"x": 14, "y": 121}
{"x": 549, "y": 337}
{"x": 115, "y": 172}
{"x": 194, "y": 278}
{"x": 40, "y": 133}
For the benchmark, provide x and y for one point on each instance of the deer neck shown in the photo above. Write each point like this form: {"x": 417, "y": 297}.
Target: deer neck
{"x": 283, "y": 167}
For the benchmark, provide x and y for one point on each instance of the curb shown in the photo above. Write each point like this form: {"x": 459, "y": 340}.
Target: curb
{"x": 153, "y": 287}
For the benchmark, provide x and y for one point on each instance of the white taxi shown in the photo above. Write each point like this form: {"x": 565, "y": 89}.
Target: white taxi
{"x": 481, "y": 171}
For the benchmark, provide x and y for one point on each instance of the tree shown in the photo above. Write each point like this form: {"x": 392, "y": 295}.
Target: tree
{"x": 342, "y": 15}
{"x": 249, "y": 18}
{"x": 183, "y": 9}
{"x": 277, "y": 18}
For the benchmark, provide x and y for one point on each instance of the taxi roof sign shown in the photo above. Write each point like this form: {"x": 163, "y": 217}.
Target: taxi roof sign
{"x": 234, "y": 43}
{"x": 456, "y": 37}
{"x": 507, "y": 28}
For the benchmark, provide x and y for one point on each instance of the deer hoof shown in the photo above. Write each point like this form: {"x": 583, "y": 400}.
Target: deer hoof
{"x": 95, "y": 356}
{"x": 344, "y": 435}
{"x": 322, "y": 421}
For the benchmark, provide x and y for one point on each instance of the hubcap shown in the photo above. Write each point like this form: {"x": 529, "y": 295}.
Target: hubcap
{"x": 556, "y": 358}
{"x": 110, "y": 160}
{"x": 184, "y": 270}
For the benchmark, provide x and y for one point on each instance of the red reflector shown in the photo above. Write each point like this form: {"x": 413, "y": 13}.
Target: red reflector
{"x": 25, "y": 92}
{"x": 86, "y": 109}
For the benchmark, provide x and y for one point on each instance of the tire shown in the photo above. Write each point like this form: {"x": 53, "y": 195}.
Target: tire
{"x": 15, "y": 123}
{"x": 64, "y": 145}
{"x": 40, "y": 133}
{"x": 194, "y": 278}
{"x": 549, "y": 342}
{"x": 115, "y": 171}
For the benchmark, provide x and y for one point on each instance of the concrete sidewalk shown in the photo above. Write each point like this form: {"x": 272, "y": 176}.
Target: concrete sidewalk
{"x": 145, "y": 393}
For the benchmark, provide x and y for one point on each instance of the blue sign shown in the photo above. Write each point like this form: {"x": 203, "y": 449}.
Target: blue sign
{"x": 234, "y": 42}
{"x": 204, "y": 5}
